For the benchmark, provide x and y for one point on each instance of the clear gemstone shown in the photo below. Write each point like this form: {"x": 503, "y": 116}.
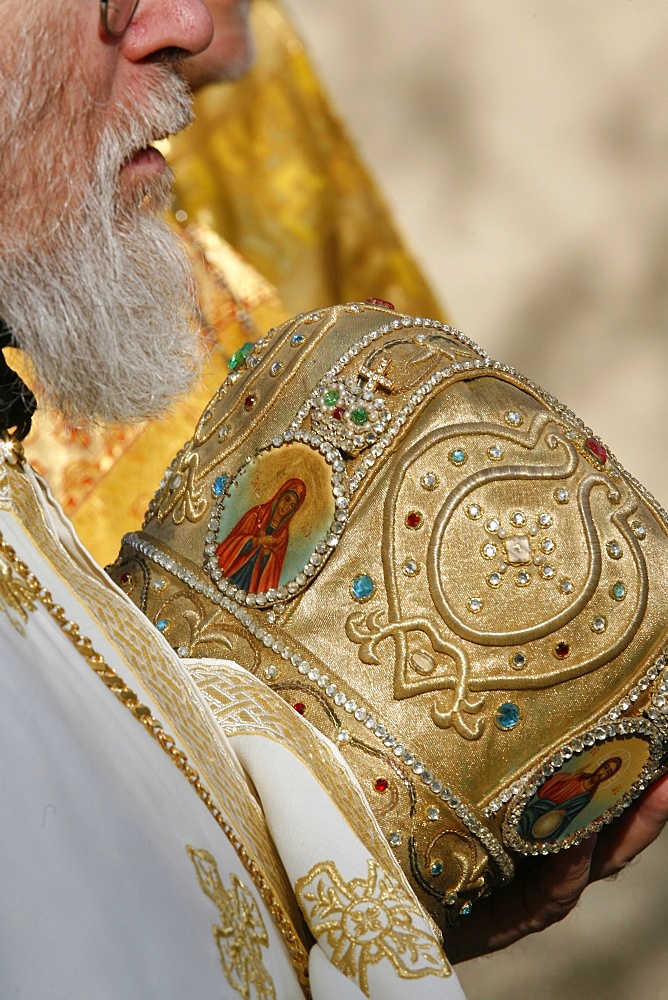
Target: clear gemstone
{"x": 493, "y": 525}
{"x": 518, "y": 660}
{"x": 545, "y": 520}
{"x": 566, "y": 586}
{"x": 614, "y": 550}
{"x": 523, "y": 579}
{"x": 561, "y": 495}
{"x": 475, "y": 604}
{"x": 494, "y": 579}
{"x": 473, "y": 511}
{"x": 495, "y": 452}
{"x": 599, "y": 623}
{"x": 489, "y": 550}
{"x": 433, "y": 813}
{"x": 518, "y": 518}
{"x": 547, "y": 572}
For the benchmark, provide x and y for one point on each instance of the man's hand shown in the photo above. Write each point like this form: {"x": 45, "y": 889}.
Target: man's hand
{"x": 546, "y": 889}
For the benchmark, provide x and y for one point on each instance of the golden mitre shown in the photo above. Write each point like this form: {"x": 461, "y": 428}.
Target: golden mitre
{"x": 436, "y": 564}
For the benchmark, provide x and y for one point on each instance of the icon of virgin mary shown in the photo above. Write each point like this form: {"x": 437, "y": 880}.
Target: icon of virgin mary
{"x": 252, "y": 554}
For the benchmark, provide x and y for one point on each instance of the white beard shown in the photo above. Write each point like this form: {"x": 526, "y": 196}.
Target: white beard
{"x": 93, "y": 284}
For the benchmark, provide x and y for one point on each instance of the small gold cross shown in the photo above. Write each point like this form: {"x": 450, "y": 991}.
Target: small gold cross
{"x": 376, "y": 376}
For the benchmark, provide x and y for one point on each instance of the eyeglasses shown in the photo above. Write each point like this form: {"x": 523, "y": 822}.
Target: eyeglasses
{"x": 116, "y": 15}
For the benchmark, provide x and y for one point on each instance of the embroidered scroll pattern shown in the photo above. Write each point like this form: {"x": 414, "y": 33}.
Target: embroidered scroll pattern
{"x": 367, "y": 920}
{"x": 241, "y": 933}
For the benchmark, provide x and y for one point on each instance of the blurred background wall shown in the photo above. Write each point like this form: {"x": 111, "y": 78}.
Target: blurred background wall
{"x": 523, "y": 146}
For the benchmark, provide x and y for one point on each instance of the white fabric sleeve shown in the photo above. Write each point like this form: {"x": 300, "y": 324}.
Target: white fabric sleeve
{"x": 368, "y": 925}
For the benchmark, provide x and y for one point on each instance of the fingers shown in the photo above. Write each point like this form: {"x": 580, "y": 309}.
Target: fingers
{"x": 544, "y": 891}
{"x": 632, "y": 832}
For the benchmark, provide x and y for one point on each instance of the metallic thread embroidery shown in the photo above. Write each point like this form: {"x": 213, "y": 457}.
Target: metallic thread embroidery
{"x": 366, "y": 920}
{"x": 241, "y": 933}
{"x": 16, "y": 599}
{"x": 127, "y": 697}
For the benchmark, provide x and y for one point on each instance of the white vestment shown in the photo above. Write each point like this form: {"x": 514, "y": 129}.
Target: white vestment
{"x": 166, "y": 824}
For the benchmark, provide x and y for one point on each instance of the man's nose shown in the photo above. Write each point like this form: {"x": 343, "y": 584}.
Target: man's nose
{"x": 176, "y": 25}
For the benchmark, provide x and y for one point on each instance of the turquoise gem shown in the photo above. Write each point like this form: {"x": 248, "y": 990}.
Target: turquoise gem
{"x": 508, "y": 715}
{"x": 296, "y": 339}
{"x": 240, "y": 356}
{"x": 162, "y": 624}
{"x": 436, "y": 867}
{"x": 359, "y": 416}
{"x": 363, "y": 587}
{"x": 219, "y": 485}
{"x": 458, "y": 456}
{"x": 618, "y": 591}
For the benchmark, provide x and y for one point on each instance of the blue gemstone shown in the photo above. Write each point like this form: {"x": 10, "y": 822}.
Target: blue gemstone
{"x": 466, "y": 908}
{"x": 436, "y": 867}
{"x": 363, "y": 587}
{"x": 508, "y": 715}
{"x": 458, "y": 456}
{"x": 297, "y": 338}
{"x": 219, "y": 485}
{"x": 162, "y": 624}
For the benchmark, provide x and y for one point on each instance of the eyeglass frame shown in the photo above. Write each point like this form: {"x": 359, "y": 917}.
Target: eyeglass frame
{"x": 104, "y": 17}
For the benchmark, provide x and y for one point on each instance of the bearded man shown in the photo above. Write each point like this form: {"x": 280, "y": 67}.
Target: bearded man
{"x": 136, "y": 857}
{"x": 146, "y": 849}
{"x": 278, "y": 216}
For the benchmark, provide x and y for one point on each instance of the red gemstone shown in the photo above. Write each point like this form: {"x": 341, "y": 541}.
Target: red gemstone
{"x": 380, "y": 302}
{"x": 337, "y": 412}
{"x": 562, "y": 649}
{"x": 249, "y": 402}
{"x": 597, "y": 449}
{"x": 299, "y": 707}
{"x": 125, "y": 577}
{"x": 413, "y": 519}
{"x": 381, "y": 784}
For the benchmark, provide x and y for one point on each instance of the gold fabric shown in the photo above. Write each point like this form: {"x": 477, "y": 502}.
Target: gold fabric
{"x": 439, "y": 566}
{"x": 268, "y": 165}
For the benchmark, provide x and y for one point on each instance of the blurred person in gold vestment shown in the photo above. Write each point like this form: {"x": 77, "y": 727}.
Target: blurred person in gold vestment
{"x": 278, "y": 216}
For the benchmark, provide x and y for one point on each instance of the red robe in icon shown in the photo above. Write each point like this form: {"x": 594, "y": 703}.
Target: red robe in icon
{"x": 252, "y": 555}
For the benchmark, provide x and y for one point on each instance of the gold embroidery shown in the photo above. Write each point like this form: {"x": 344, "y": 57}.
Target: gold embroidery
{"x": 241, "y": 932}
{"x": 244, "y": 837}
{"x": 367, "y": 920}
{"x": 235, "y": 810}
{"x": 16, "y": 599}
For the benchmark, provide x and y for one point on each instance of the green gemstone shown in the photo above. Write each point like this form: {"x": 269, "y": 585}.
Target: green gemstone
{"x": 240, "y": 356}
{"x": 359, "y": 416}
{"x": 331, "y": 397}
{"x": 618, "y": 591}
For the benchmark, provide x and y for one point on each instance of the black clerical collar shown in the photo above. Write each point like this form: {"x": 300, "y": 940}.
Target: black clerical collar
{"x": 17, "y": 403}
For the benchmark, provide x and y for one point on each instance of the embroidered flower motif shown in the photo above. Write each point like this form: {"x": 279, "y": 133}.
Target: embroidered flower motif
{"x": 367, "y": 920}
{"x": 241, "y": 931}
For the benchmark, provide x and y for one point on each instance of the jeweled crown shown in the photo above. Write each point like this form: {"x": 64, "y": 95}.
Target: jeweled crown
{"x": 437, "y": 564}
